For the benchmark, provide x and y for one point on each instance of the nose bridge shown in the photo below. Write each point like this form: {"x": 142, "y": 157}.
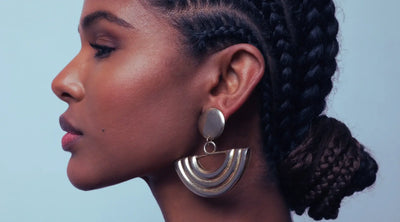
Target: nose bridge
{"x": 68, "y": 84}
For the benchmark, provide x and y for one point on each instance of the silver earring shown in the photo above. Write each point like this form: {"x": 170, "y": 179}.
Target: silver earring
{"x": 212, "y": 183}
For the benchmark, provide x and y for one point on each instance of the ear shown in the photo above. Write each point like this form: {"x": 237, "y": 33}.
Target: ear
{"x": 240, "y": 69}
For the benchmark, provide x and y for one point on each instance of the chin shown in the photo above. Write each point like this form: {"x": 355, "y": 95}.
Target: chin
{"x": 82, "y": 179}
{"x": 89, "y": 177}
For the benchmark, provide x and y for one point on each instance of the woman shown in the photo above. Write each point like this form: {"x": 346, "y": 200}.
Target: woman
{"x": 155, "y": 80}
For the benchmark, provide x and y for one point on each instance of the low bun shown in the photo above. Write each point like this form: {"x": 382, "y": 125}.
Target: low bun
{"x": 329, "y": 165}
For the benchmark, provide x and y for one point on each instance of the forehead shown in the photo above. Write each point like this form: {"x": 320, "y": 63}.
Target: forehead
{"x": 132, "y": 11}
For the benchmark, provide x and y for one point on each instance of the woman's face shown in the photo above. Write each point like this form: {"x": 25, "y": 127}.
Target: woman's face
{"x": 133, "y": 95}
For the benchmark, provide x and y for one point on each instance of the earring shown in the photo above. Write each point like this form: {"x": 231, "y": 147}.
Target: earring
{"x": 212, "y": 183}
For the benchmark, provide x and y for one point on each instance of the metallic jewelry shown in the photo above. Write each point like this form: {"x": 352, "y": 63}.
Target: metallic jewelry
{"x": 212, "y": 183}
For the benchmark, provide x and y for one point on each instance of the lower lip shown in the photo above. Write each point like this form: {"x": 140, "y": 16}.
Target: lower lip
{"x": 68, "y": 140}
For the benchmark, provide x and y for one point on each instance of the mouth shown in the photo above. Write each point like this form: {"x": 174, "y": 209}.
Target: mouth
{"x": 72, "y": 136}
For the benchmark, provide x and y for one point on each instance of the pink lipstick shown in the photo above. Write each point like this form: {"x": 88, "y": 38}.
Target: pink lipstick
{"x": 72, "y": 135}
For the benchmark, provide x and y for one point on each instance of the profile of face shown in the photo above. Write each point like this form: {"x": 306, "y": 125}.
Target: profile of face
{"x": 133, "y": 95}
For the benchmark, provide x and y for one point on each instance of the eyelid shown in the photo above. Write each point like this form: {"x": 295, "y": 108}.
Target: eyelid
{"x": 104, "y": 38}
{"x": 103, "y": 41}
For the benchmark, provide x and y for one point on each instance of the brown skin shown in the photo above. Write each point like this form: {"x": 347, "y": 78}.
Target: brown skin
{"x": 138, "y": 106}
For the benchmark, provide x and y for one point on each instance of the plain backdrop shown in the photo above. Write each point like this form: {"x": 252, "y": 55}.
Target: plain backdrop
{"x": 37, "y": 38}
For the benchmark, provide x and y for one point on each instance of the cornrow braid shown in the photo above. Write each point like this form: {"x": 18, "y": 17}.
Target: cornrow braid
{"x": 315, "y": 159}
{"x": 230, "y": 31}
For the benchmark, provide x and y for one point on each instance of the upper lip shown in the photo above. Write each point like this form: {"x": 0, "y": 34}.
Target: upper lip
{"x": 67, "y": 127}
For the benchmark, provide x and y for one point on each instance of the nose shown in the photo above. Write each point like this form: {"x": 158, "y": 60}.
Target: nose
{"x": 67, "y": 85}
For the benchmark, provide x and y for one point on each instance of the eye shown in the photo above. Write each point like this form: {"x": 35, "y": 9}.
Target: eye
{"x": 102, "y": 51}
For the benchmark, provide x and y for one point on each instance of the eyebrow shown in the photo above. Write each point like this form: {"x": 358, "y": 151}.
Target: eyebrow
{"x": 94, "y": 17}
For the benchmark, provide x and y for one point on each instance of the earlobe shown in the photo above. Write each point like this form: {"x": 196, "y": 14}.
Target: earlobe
{"x": 241, "y": 69}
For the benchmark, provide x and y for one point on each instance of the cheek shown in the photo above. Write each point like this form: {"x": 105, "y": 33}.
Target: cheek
{"x": 146, "y": 106}
{"x": 138, "y": 120}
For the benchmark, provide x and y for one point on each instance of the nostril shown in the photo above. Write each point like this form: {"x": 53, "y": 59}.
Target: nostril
{"x": 65, "y": 95}
{"x": 68, "y": 91}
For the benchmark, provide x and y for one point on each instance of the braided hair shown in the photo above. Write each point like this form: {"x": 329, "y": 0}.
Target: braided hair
{"x": 314, "y": 157}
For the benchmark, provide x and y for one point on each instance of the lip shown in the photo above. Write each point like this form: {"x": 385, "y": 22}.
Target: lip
{"x": 72, "y": 136}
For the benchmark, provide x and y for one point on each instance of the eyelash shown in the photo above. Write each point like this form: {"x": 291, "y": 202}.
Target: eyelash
{"x": 102, "y": 51}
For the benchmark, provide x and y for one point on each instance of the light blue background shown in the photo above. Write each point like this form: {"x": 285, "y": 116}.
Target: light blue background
{"x": 37, "y": 38}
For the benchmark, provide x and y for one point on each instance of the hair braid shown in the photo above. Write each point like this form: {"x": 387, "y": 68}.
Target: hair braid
{"x": 342, "y": 171}
{"x": 208, "y": 31}
{"x": 317, "y": 62}
{"x": 241, "y": 34}
{"x": 283, "y": 50}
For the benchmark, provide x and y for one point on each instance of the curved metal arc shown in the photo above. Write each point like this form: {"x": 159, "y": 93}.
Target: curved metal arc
{"x": 194, "y": 162}
{"x": 208, "y": 182}
{"x": 224, "y": 182}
